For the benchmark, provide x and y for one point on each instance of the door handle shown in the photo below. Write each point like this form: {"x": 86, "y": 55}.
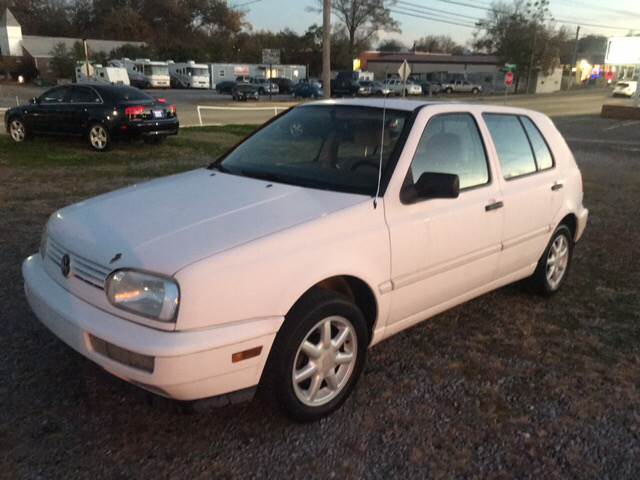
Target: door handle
{"x": 493, "y": 206}
{"x": 556, "y": 186}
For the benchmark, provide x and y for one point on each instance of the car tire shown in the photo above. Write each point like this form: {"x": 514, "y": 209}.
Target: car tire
{"x": 155, "y": 140}
{"x": 475, "y": 91}
{"x": 99, "y": 137}
{"x": 324, "y": 384}
{"x": 553, "y": 266}
{"x": 18, "y": 130}
{"x": 448, "y": 91}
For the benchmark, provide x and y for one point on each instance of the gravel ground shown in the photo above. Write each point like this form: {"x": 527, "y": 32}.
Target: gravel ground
{"x": 509, "y": 385}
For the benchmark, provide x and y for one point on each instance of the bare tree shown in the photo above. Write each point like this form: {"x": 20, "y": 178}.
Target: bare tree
{"x": 362, "y": 19}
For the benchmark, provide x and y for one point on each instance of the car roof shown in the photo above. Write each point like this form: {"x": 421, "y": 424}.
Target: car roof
{"x": 412, "y": 105}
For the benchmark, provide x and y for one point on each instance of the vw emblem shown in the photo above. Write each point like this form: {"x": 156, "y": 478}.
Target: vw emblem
{"x": 65, "y": 265}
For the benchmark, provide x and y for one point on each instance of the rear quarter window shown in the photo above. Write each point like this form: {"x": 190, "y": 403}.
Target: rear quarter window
{"x": 543, "y": 155}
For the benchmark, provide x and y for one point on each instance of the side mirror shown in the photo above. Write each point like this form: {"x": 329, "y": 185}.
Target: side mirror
{"x": 34, "y": 100}
{"x": 432, "y": 185}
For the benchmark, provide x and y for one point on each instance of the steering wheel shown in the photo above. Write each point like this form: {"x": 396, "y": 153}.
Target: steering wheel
{"x": 364, "y": 163}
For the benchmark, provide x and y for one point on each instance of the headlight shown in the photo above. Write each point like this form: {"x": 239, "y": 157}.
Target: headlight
{"x": 144, "y": 294}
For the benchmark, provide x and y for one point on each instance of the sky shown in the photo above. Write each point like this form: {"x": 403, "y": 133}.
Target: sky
{"x": 279, "y": 14}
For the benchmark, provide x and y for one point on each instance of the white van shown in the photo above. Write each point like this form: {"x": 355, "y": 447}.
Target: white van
{"x": 145, "y": 73}
{"x": 98, "y": 74}
{"x": 189, "y": 74}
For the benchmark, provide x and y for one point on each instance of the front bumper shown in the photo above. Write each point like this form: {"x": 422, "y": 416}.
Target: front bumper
{"x": 187, "y": 365}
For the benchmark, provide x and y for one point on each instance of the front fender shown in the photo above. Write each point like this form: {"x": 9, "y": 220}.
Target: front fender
{"x": 267, "y": 276}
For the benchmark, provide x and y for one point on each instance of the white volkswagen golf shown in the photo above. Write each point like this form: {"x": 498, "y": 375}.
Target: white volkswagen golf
{"x": 328, "y": 230}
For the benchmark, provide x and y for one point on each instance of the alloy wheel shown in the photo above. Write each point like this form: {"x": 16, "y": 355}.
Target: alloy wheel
{"x": 17, "y": 131}
{"x": 557, "y": 261}
{"x": 98, "y": 137}
{"x": 325, "y": 361}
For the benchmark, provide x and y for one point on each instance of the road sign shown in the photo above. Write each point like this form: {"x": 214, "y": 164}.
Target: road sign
{"x": 508, "y": 79}
{"x": 404, "y": 71}
{"x": 270, "y": 56}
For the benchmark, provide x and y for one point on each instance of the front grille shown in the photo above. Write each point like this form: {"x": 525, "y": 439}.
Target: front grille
{"x": 122, "y": 355}
{"x": 81, "y": 268}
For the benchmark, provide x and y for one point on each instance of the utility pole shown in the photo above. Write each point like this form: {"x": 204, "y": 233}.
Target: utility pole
{"x": 326, "y": 48}
{"x": 533, "y": 53}
{"x": 574, "y": 59}
{"x": 86, "y": 57}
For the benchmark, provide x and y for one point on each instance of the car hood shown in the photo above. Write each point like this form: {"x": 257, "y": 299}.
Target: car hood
{"x": 165, "y": 224}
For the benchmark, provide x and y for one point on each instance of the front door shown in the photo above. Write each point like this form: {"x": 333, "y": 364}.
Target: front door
{"x": 443, "y": 249}
{"x": 45, "y": 115}
{"x": 77, "y": 111}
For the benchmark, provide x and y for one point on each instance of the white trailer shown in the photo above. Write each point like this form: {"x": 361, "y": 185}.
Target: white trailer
{"x": 145, "y": 73}
{"x": 189, "y": 74}
{"x": 98, "y": 74}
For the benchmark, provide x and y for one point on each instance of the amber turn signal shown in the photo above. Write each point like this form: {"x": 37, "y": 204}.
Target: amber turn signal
{"x": 246, "y": 354}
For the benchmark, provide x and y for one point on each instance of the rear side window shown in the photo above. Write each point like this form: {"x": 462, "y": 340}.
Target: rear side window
{"x": 451, "y": 143}
{"x": 512, "y": 144}
{"x": 83, "y": 95}
{"x": 544, "y": 159}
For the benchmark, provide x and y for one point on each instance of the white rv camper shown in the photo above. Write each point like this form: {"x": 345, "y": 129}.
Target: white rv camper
{"x": 145, "y": 73}
{"x": 189, "y": 74}
{"x": 98, "y": 74}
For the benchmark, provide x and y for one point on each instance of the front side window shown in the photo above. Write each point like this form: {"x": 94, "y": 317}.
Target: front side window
{"x": 451, "y": 143}
{"x": 514, "y": 151}
{"x": 332, "y": 147}
{"x": 55, "y": 95}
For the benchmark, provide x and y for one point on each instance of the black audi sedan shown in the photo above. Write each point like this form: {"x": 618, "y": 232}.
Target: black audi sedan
{"x": 99, "y": 113}
{"x": 245, "y": 91}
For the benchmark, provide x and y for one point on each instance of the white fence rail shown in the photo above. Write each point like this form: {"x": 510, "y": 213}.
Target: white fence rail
{"x": 274, "y": 109}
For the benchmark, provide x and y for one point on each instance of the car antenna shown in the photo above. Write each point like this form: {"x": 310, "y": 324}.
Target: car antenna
{"x": 384, "y": 120}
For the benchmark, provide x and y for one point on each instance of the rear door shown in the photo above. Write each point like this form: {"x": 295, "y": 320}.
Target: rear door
{"x": 530, "y": 187}
{"x": 82, "y": 103}
{"x": 45, "y": 115}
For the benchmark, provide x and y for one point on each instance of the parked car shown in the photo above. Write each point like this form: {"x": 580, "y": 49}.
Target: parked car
{"x": 284, "y": 84}
{"x": 308, "y": 90}
{"x": 345, "y": 84}
{"x": 245, "y": 91}
{"x": 376, "y": 88}
{"x": 461, "y": 86}
{"x": 292, "y": 254}
{"x": 364, "y": 90}
{"x": 99, "y": 113}
{"x": 398, "y": 87}
{"x": 225, "y": 87}
{"x": 626, "y": 88}
{"x": 432, "y": 88}
{"x": 265, "y": 86}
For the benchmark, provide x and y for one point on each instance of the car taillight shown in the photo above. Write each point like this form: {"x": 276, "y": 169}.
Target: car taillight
{"x": 132, "y": 112}
{"x": 162, "y": 100}
{"x": 172, "y": 109}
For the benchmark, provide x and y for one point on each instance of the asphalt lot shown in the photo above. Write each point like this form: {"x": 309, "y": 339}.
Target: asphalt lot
{"x": 509, "y": 385}
{"x": 220, "y": 110}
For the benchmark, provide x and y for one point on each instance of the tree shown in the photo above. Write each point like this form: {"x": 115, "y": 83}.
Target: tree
{"x": 593, "y": 48}
{"x": 63, "y": 61}
{"x": 362, "y": 20}
{"x": 516, "y": 35}
{"x": 438, "y": 44}
{"x": 391, "y": 45}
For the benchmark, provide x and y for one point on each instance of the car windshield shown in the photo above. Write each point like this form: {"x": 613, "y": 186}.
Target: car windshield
{"x": 198, "y": 72}
{"x": 156, "y": 70}
{"x": 331, "y": 147}
{"x": 129, "y": 93}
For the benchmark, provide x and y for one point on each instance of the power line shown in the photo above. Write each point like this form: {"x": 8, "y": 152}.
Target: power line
{"x": 559, "y": 20}
{"x": 436, "y": 10}
{"x": 415, "y": 15}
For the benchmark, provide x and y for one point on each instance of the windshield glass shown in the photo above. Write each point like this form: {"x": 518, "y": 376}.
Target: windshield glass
{"x": 156, "y": 70}
{"x": 332, "y": 147}
{"x": 198, "y": 72}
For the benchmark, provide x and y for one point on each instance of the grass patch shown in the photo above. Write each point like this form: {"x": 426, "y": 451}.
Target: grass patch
{"x": 174, "y": 155}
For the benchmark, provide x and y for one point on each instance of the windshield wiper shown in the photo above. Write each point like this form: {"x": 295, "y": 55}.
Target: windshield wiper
{"x": 268, "y": 176}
